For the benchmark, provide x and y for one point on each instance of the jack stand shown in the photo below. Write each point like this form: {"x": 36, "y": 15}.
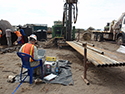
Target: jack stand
{"x": 85, "y": 66}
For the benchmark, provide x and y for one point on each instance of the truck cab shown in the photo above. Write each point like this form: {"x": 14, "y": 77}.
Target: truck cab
{"x": 123, "y": 25}
{"x": 119, "y": 30}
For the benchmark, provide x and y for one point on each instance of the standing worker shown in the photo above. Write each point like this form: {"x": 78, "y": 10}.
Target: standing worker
{"x": 0, "y": 33}
{"x": 19, "y": 37}
{"x": 31, "y": 49}
{"x": 8, "y": 37}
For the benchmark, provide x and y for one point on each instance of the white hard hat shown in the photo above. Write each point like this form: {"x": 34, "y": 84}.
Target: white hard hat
{"x": 33, "y": 36}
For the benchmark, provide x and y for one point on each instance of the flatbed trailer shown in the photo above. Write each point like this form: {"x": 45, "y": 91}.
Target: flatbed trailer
{"x": 100, "y": 36}
{"x": 113, "y": 31}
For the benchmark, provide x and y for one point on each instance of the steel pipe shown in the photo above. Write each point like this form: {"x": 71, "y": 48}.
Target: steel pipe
{"x": 101, "y": 52}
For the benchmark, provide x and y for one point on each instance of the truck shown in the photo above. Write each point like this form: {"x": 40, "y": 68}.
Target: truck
{"x": 112, "y": 31}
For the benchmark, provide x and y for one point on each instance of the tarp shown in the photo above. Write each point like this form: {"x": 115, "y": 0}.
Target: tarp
{"x": 64, "y": 77}
{"x": 121, "y": 49}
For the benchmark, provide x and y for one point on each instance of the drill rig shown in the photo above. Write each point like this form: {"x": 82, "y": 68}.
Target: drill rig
{"x": 69, "y": 7}
{"x": 62, "y": 30}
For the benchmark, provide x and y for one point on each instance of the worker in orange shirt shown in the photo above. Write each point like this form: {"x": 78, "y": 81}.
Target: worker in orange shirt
{"x": 0, "y": 33}
{"x": 19, "y": 37}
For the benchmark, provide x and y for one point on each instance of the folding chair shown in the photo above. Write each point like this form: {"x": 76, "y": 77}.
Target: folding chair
{"x": 26, "y": 64}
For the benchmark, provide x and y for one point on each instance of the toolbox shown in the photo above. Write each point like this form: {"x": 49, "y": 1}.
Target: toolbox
{"x": 48, "y": 58}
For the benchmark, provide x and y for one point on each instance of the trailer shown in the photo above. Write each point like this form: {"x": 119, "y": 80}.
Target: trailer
{"x": 112, "y": 31}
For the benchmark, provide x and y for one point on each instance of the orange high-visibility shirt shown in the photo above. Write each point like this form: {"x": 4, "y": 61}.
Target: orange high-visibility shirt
{"x": 28, "y": 49}
{"x": 0, "y": 33}
{"x": 18, "y": 33}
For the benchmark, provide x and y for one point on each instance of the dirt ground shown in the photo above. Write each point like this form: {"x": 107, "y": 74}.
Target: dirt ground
{"x": 103, "y": 80}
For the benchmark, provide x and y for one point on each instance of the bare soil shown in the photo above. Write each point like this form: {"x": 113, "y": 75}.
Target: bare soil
{"x": 103, "y": 80}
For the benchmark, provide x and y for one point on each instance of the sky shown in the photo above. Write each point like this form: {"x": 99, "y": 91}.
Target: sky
{"x": 94, "y": 13}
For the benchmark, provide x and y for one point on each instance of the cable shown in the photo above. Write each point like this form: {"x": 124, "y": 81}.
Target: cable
{"x": 19, "y": 85}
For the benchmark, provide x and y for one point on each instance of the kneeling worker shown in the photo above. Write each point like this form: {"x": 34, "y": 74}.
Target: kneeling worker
{"x": 19, "y": 37}
{"x": 31, "y": 49}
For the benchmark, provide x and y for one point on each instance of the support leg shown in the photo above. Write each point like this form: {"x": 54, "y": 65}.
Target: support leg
{"x": 42, "y": 72}
{"x": 31, "y": 76}
{"x": 21, "y": 73}
{"x": 85, "y": 66}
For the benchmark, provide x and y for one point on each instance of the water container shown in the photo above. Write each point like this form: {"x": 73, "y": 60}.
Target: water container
{"x": 53, "y": 68}
{"x": 57, "y": 69}
{"x": 47, "y": 69}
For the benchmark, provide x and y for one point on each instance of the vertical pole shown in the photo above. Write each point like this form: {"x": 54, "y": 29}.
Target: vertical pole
{"x": 66, "y": 22}
{"x": 85, "y": 67}
{"x": 73, "y": 32}
{"x": 70, "y": 22}
{"x": 85, "y": 55}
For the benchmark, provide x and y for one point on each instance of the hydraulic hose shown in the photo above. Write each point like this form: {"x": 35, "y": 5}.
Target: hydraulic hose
{"x": 75, "y": 17}
{"x": 65, "y": 5}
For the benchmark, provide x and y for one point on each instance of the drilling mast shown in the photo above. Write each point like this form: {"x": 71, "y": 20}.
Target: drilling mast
{"x": 70, "y": 7}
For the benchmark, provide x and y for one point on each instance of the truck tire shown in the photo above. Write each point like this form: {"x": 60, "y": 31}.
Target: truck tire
{"x": 99, "y": 38}
{"x": 120, "y": 40}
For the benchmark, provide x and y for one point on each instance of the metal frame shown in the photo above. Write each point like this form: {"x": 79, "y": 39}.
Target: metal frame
{"x": 98, "y": 59}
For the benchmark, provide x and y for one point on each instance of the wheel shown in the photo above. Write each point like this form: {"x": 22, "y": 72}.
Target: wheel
{"x": 120, "y": 40}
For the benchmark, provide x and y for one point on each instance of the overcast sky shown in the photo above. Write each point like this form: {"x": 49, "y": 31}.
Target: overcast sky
{"x": 94, "y": 13}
